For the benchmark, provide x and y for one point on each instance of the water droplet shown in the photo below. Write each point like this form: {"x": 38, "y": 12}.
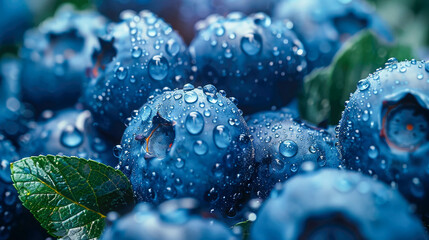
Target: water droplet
{"x": 121, "y": 73}
{"x": 136, "y": 52}
{"x": 191, "y": 97}
{"x": 170, "y": 192}
{"x": 219, "y": 30}
{"x": 151, "y": 32}
{"x": 372, "y": 152}
{"x": 71, "y": 137}
{"x": 288, "y": 148}
{"x": 251, "y": 44}
{"x": 117, "y": 150}
{"x": 194, "y": 123}
{"x": 200, "y": 147}
{"x": 158, "y": 67}
{"x": 427, "y": 66}
{"x": 321, "y": 161}
{"x": 146, "y": 111}
{"x": 365, "y": 115}
{"x": 172, "y": 47}
{"x": 210, "y": 91}
{"x": 180, "y": 163}
{"x": 363, "y": 84}
{"x": 417, "y": 188}
{"x": 221, "y": 136}
{"x": 294, "y": 167}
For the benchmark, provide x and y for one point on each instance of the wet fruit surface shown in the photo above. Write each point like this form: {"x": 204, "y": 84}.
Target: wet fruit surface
{"x": 189, "y": 143}
{"x": 260, "y": 61}
{"x": 384, "y": 129}
{"x": 336, "y": 204}
{"x": 140, "y": 54}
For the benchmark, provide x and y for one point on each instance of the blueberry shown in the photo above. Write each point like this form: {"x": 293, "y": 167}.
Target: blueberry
{"x": 324, "y": 25}
{"x": 173, "y": 220}
{"x": 384, "y": 129}
{"x": 15, "y": 18}
{"x": 189, "y": 143}
{"x": 334, "y": 204}
{"x": 69, "y": 132}
{"x": 56, "y": 56}
{"x": 260, "y": 62}
{"x": 14, "y": 114}
{"x": 138, "y": 55}
{"x": 10, "y": 205}
{"x": 282, "y": 144}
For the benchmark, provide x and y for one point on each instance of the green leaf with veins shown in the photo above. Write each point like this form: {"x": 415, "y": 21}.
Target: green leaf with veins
{"x": 327, "y": 89}
{"x": 70, "y": 196}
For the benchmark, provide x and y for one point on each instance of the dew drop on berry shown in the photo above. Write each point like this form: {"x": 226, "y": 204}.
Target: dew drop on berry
{"x": 158, "y": 67}
{"x": 71, "y": 137}
{"x": 251, "y": 44}
{"x": 194, "y": 123}
{"x": 288, "y": 148}
{"x": 221, "y": 136}
{"x": 200, "y": 147}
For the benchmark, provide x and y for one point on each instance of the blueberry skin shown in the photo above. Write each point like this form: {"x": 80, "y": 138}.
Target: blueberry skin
{"x": 173, "y": 220}
{"x": 138, "y": 55}
{"x": 114, "y": 8}
{"x": 384, "y": 129}
{"x": 10, "y": 205}
{"x": 188, "y": 20}
{"x": 56, "y": 56}
{"x": 282, "y": 144}
{"x": 199, "y": 146}
{"x": 14, "y": 114}
{"x": 69, "y": 132}
{"x": 336, "y": 204}
{"x": 260, "y": 62}
{"x": 324, "y": 25}
{"x": 15, "y": 18}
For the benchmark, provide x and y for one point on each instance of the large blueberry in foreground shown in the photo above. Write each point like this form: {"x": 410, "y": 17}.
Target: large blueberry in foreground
{"x": 10, "y": 205}
{"x": 334, "y": 204}
{"x": 324, "y": 25}
{"x": 173, "y": 220}
{"x": 15, "y": 18}
{"x": 384, "y": 129}
{"x": 14, "y": 115}
{"x": 69, "y": 132}
{"x": 282, "y": 144}
{"x": 56, "y": 56}
{"x": 190, "y": 143}
{"x": 138, "y": 55}
{"x": 261, "y": 62}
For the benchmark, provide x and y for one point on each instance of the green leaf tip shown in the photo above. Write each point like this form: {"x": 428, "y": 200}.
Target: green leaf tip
{"x": 70, "y": 196}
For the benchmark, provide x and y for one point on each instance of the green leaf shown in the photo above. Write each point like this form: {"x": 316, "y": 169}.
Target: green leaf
{"x": 326, "y": 90}
{"x": 245, "y": 229}
{"x": 70, "y": 196}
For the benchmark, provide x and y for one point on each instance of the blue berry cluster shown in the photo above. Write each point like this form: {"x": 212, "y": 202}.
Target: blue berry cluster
{"x": 196, "y": 103}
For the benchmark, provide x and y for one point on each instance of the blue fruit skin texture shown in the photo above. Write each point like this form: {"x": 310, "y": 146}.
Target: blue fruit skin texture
{"x": 56, "y": 56}
{"x": 335, "y": 204}
{"x": 211, "y": 156}
{"x": 14, "y": 115}
{"x": 379, "y": 136}
{"x": 69, "y": 132}
{"x": 114, "y": 8}
{"x": 174, "y": 223}
{"x": 138, "y": 55}
{"x": 15, "y": 18}
{"x": 272, "y": 132}
{"x": 9, "y": 203}
{"x": 262, "y": 63}
{"x": 324, "y": 25}
{"x": 188, "y": 20}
